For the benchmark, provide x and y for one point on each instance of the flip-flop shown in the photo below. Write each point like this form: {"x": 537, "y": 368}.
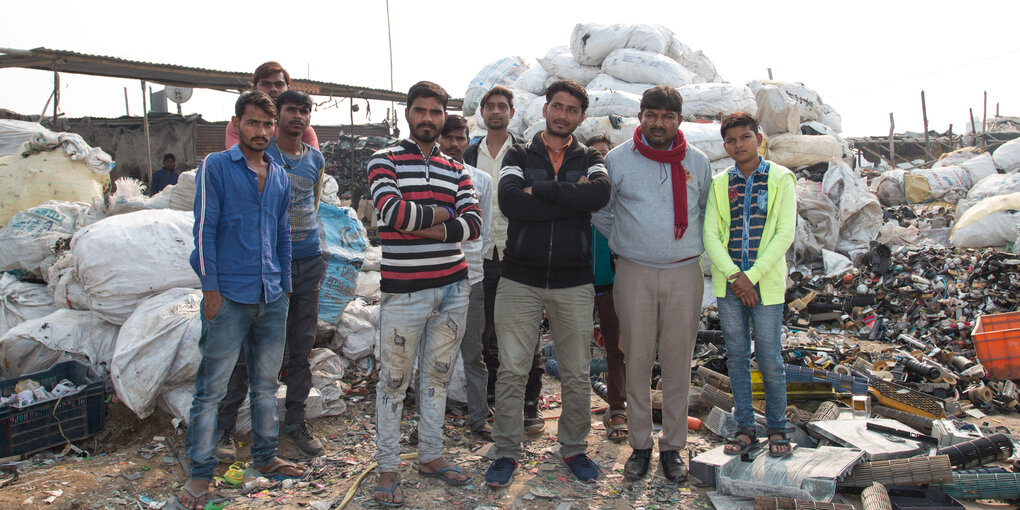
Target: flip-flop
{"x": 197, "y": 495}
{"x": 451, "y": 481}
{"x": 274, "y": 467}
{"x": 390, "y": 491}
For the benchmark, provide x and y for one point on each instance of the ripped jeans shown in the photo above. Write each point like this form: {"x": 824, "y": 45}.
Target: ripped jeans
{"x": 428, "y": 324}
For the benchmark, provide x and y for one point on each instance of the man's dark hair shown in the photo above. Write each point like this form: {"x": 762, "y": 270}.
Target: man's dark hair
{"x": 267, "y": 69}
{"x": 570, "y": 87}
{"x": 294, "y": 97}
{"x": 598, "y": 139}
{"x": 738, "y": 119}
{"x": 426, "y": 89}
{"x": 257, "y": 98}
{"x": 169, "y": 156}
{"x": 498, "y": 90}
{"x": 455, "y": 123}
{"x": 662, "y": 97}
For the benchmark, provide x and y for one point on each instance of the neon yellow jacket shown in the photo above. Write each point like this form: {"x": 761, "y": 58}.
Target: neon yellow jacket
{"x": 769, "y": 269}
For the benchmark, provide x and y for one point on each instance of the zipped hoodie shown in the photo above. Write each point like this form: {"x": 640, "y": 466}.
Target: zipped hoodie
{"x": 549, "y": 232}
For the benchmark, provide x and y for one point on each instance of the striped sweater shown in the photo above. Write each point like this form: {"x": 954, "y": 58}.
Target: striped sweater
{"x": 404, "y": 184}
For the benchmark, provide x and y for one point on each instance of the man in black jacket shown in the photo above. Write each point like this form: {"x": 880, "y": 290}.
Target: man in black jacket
{"x": 548, "y": 188}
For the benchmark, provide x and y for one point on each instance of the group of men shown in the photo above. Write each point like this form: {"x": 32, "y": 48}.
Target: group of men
{"x": 479, "y": 243}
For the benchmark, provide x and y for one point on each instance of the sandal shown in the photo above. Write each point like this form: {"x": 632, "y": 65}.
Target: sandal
{"x": 390, "y": 491}
{"x": 439, "y": 474}
{"x": 484, "y": 433}
{"x": 197, "y": 495}
{"x": 272, "y": 470}
{"x": 736, "y": 440}
{"x": 616, "y": 428}
{"x": 778, "y": 443}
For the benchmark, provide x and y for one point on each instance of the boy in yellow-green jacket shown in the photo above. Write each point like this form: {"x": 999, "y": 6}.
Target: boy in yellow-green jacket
{"x": 750, "y": 221}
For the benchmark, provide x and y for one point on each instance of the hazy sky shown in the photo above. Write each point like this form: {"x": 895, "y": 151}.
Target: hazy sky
{"x": 866, "y": 58}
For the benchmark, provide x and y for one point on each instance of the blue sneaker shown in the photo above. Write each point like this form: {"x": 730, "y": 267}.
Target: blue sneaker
{"x": 501, "y": 472}
{"x": 583, "y": 468}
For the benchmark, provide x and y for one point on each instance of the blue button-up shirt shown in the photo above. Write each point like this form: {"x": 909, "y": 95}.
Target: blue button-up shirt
{"x": 242, "y": 236}
{"x": 749, "y": 200}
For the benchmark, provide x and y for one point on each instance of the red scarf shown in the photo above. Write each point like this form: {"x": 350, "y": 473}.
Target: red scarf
{"x": 675, "y": 158}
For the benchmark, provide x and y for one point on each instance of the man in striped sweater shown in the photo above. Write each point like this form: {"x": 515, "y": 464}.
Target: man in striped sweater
{"x": 426, "y": 206}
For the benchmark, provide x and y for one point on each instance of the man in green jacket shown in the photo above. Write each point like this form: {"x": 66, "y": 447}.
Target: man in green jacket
{"x": 749, "y": 226}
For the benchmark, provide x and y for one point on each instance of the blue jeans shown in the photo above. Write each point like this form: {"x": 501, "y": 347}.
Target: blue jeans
{"x": 737, "y": 321}
{"x": 264, "y": 326}
{"x": 428, "y": 324}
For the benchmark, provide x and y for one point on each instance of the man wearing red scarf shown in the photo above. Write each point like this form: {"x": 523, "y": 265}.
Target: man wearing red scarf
{"x": 653, "y": 222}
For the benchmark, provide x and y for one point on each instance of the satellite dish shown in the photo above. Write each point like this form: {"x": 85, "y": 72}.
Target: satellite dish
{"x": 178, "y": 94}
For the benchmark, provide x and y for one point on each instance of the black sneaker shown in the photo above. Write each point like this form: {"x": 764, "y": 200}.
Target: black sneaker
{"x": 226, "y": 447}
{"x": 501, "y": 472}
{"x": 637, "y": 465}
{"x": 583, "y": 468}
{"x": 301, "y": 437}
{"x": 533, "y": 421}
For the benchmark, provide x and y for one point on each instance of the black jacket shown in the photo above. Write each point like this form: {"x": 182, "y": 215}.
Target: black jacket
{"x": 549, "y": 233}
{"x": 471, "y": 153}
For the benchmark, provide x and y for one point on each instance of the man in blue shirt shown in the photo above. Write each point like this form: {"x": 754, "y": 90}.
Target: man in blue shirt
{"x": 165, "y": 176}
{"x": 243, "y": 259}
{"x": 303, "y": 165}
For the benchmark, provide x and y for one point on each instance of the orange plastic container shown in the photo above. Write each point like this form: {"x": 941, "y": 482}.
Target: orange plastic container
{"x": 996, "y": 340}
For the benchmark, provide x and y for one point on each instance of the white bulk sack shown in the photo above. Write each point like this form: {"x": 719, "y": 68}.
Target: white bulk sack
{"x": 832, "y": 118}
{"x": 993, "y": 222}
{"x": 13, "y": 133}
{"x": 533, "y": 81}
{"x": 809, "y": 103}
{"x": 157, "y": 348}
{"x": 889, "y": 188}
{"x": 694, "y": 61}
{"x": 126, "y": 258}
{"x": 978, "y": 165}
{"x": 617, "y": 129}
{"x": 991, "y": 186}
{"x": 558, "y": 62}
{"x": 706, "y": 137}
{"x": 63, "y": 284}
{"x": 717, "y": 99}
{"x": 860, "y": 215}
{"x": 817, "y": 221}
{"x": 330, "y": 191}
{"x": 949, "y": 183}
{"x": 777, "y": 112}
{"x": 128, "y": 196}
{"x": 638, "y": 66}
{"x": 612, "y": 102}
{"x": 183, "y": 196}
{"x": 358, "y": 330}
{"x": 1007, "y": 156}
{"x": 368, "y": 286}
{"x": 503, "y": 72}
{"x": 605, "y": 81}
{"x": 533, "y": 114}
{"x": 22, "y": 301}
{"x": 794, "y": 151}
{"x": 63, "y": 335}
{"x": 30, "y": 235}
{"x": 590, "y": 43}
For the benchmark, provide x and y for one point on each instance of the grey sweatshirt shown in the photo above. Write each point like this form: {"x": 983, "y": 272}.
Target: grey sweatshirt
{"x": 638, "y": 220}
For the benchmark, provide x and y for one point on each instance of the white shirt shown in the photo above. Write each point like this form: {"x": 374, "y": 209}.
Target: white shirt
{"x": 492, "y": 165}
{"x": 475, "y": 250}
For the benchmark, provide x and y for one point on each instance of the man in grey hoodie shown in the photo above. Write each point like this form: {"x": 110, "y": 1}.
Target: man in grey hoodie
{"x": 653, "y": 222}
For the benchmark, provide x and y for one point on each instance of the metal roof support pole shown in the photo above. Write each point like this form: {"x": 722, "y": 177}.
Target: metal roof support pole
{"x": 145, "y": 127}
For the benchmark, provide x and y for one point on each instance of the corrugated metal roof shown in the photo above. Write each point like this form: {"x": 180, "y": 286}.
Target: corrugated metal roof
{"x": 176, "y": 75}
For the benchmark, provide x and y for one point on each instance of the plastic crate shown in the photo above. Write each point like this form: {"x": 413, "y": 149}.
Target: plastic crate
{"x": 996, "y": 340}
{"x": 38, "y": 427}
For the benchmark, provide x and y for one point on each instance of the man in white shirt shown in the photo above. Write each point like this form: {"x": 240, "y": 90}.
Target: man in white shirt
{"x": 452, "y": 142}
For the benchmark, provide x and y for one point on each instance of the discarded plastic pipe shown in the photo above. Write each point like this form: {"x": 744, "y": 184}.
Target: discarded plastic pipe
{"x": 978, "y": 452}
{"x": 911, "y": 420}
{"x": 876, "y": 498}
{"x": 988, "y": 486}
{"x": 912, "y": 471}
{"x": 901, "y": 433}
{"x": 918, "y": 368}
{"x": 713, "y": 396}
{"x": 713, "y": 378}
{"x": 771, "y": 503}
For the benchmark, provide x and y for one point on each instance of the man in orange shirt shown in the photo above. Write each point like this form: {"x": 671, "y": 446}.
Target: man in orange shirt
{"x": 274, "y": 80}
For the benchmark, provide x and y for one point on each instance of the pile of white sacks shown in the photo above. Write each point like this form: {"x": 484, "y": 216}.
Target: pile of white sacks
{"x": 110, "y": 284}
{"x": 617, "y": 63}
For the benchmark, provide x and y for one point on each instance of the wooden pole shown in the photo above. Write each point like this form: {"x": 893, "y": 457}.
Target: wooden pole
{"x": 892, "y": 138}
{"x": 770, "y": 73}
{"x": 996, "y": 109}
{"x": 952, "y": 144}
{"x": 973, "y": 126}
{"x": 355, "y": 200}
{"x": 984, "y": 122}
{"x": 127, "y": 110}
{"x": 389, "y": 37}
{"x": 56, "y": 97}
{"x": 924, "y": 115}
{"x": 145, "y": 128}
